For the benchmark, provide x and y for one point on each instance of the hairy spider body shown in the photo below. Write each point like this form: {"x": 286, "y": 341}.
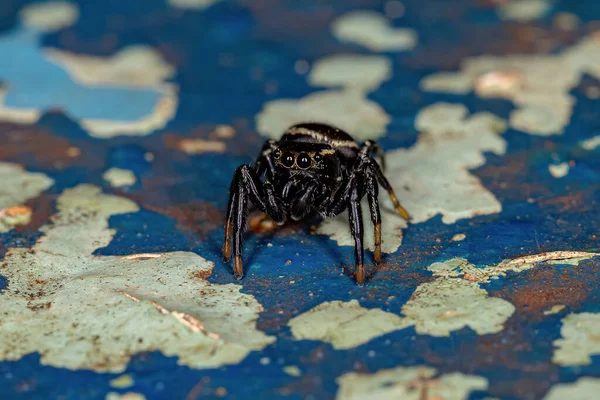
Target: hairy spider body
{"x": 313, "y": 169}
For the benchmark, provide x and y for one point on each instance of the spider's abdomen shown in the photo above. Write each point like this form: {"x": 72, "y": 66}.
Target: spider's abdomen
{"x": 322, "y": 134}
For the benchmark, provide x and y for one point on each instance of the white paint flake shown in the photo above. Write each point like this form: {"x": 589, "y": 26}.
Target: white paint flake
{"x": 433, "y": 176}
{"x": 344, "y": 325}
{"x": 524, "y": 10}
{"x": 359, "y": 72}
{"x": 408, "y": 383}
{"x": 50, "y": 16}
{"x": 81, "y": 311}
{"x": 373, "y": 31}
{"x": 591, "y": 144}
{"x": 18, "y": 186}
{"x": 193, "y": 4}
{"x": 559, "y": 170}
{"x": 538, "y": 85}
{"x": 347, "y": 109}
{"x": 582, "y": 389}
{"x": 580, "y": 340}
{"x": 118, "y": 177}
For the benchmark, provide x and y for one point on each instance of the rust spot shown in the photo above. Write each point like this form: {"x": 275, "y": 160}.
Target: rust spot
{"x": 201, "y": 274}
{"x": 49, "y": 151}
{"x": 548, "y": 285}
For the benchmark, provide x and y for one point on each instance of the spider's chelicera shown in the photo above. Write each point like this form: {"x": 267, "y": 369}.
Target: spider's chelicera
{"x": 313, "y": 169}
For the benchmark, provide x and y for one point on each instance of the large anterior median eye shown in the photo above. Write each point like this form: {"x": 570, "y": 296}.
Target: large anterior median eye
{"x": 287, "y": 159}
{"x": 303, "y": 161}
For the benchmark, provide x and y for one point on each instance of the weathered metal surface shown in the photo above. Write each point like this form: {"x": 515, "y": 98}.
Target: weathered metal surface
{"x": 121, "y": 124}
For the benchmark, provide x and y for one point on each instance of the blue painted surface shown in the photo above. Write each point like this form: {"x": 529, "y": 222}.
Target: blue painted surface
{"x": 36, "y": 83}
{"x": 517, "y": 361}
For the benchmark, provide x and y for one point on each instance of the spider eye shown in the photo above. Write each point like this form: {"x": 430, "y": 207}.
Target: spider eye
{"x": 318, "y": 157}
{"x": 287, "y": 159}
{"x": 277, "y": 153}
{"x": 303, "y": 161}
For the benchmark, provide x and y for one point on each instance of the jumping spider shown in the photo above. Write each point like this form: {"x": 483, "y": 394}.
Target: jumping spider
{"x": 314, "y": 169}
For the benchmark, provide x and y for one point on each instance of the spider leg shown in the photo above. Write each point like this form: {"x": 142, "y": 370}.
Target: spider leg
{"x": 374, "y": 167}
{"x": 264, "y": 162}
{"x": 356, "y": 227}
{"x": 372, "y": 195}
{"x": 371, "y": 146}
{"x": 245, "y": 186}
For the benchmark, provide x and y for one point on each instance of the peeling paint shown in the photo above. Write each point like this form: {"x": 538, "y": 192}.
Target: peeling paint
{"x": 523, "y": 10}
{"x": 193, "y": 4}
{"x": 50, "y": 16}
{"x": 347, "y": 109}
{"x": 122, "y": 382}
{"x": 118, "y": 177}
{"x": 580, "y": 340}
{"x": 408, "y": 383}
{"x": 18, "y": 186}
{"x": 200, "y": 146}
{"x": 373, "y": 31}
{"x": 292, "y": 370}
{"x": 538, "y": 85}
{"x": 449, "y": 304}
{"x": 559, "y": 170}
{"x": 582, "y": 389}
{"x": 81, "y": 311}
{"x": 555, "y": 309}
{"x": 344, "y": 325}
{"x": 137, "y": 67}
{"x": 126, "y": 396}
{"x": 591, "y": 144}
{"x": 360, "y": 72}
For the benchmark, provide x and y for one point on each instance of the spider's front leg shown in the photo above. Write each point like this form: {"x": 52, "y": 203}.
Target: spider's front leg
{"x": 349, "y": 196}
{"x": 356, "y": 228}
{"x": 245, "y": 186}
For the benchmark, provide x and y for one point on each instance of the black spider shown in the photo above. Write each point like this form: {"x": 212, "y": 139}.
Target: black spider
{"x": 313, "y": 169}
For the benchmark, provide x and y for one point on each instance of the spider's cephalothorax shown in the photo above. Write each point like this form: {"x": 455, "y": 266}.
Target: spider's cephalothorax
{"x": 313, "y": 169}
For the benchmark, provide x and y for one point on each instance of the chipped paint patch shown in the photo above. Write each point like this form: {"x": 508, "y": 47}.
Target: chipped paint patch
{"x": 126, "y": 396}
{"x": 201, "y": 146}
{"x": 89, "y": 89}
{"x": 122, "y": 382}
{"x": 591, "y": 144}
{"x": 347, "y": 109}
{"x": 449, "y": 304}
{"x": 524, "y": 10}
{"x": 14, "y": 216}
{"x": 459, "y": 237}
{"x": 135, "y": 67}
{"x": 182, "y": 315}
{"x": 580, "y": 340}
{"x": 582, "y": 389}
{"x": 459, "y": 267}
{"x": 118, "y": 177}
{"x": 344, "y": 325}
{"x": 559, "y": 170}
{"x": 538, "y": 85}
{"x": 408, "y": 383}
{"x": 360, "y": 72}
{"x": 193, "y": 4}
{"x": 292, "y": 370}
{"x": 373, "y": 31}
{"x": 50, "y": 16}
{"x": 18, "y": 186}
{"x": 555, "y": 309}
